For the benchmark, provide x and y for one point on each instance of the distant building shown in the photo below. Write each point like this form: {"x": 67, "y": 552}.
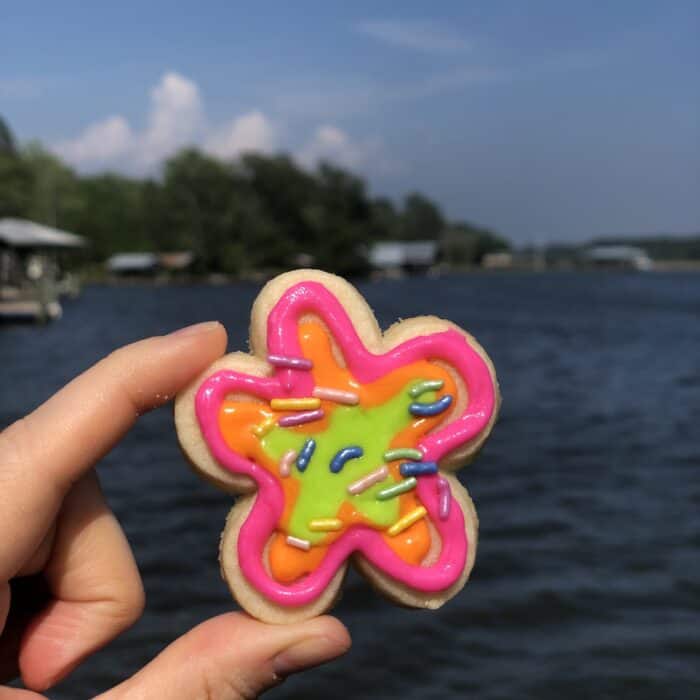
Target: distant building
{"x": 31, "y": 274}
{"x": 144, "y": 264}
{"x": 133, "y": 264}
{"x": 503, "y": 260}
{"x": 403, "y": 255}
{"x": 621, "y": 257}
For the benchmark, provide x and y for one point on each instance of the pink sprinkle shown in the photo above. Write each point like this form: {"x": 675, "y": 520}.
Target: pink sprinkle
{"x": 299, "y": 543}
{"x": 369, "y": 480}
{"x": 337, "y": 395}
{"x": 290, "y": 362}
{"x": 445, "y": 497}
{"x": 286, "y": 462}
{"x": 300, "y": 418}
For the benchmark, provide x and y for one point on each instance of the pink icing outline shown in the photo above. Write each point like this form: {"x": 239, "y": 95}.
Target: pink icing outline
{"x": 282, "y": 339}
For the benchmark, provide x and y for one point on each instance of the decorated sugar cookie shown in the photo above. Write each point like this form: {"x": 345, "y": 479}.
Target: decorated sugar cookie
{"x": 342, "y": 444}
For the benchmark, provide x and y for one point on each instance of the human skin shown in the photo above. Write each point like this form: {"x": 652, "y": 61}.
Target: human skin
{"x": 56, "y": 528}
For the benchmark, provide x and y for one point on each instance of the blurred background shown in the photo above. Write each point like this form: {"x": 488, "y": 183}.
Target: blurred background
{"x": 529, "y": 170}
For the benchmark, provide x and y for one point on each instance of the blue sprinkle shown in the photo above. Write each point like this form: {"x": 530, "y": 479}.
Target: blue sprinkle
{"x": 431, "y": 409}
{"x": 418, "y": 468}
{"x": 305, "y": 454}
{"x": 338, "y": 462}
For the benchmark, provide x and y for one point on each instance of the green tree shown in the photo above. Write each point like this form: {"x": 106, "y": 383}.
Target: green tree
{"x": 7, "y": 140}
{"x": 56, "y": 198}
{"x": 421, "y": 219}
{"x": 15, "y": 177}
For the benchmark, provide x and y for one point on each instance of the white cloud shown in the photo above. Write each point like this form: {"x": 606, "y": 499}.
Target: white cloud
{"x": 104, "y": 142}
{"x": 176, "y": 118}
{"x": 332, "y": 144}
{"x": 419, "y": 36}
{"x": 250, "y": 132}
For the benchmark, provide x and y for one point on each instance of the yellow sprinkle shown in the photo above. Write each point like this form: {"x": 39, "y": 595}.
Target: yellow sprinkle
{"x": 300, "y": 404}
{"x": 407, "y": 520}
{"x": 325, "y": 524}
{"x": 264, "y": 428}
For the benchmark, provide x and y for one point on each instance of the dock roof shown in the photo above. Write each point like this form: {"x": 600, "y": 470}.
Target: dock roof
{"x": 20, "y": 233}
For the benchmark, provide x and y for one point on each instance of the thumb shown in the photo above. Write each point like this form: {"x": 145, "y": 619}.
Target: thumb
{"x": 233, "y": 657}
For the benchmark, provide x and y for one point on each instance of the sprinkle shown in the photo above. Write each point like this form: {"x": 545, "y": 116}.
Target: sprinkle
{"x": 397, "y": 489}
{"x": 305, "y": 454}
{"x": 286, "y": 462}
{"x": 431, "y": 409}
{"x": 299, "y": 543}
{"x": 368, "y": 480}
{"x": 400, "y": 525}
{"x": 290, "y": 362}
{"x": 337, "y": 395}
{"x": 325, "y": 524}
{"x": 299, "y": 404}
{"x": 427, "y": 385}
{"x": 402, "y": 453}
{"x": 300, "y": 418}
{"x": 264, "y": 428}
{"x": 342, "y": 456}
{"x": 418, "y": 468}
{"x": 445, "y": 498}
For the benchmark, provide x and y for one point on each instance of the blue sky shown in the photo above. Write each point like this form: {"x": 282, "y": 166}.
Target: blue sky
{"x": 544, "y": 120}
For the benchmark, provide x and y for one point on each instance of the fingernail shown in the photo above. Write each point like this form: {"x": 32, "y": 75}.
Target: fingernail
{"x": 198, "y": 328}
{"x": 307, "y": 653}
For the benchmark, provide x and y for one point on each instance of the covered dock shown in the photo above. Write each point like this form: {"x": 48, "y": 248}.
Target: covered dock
{"x": 31, "y": 279}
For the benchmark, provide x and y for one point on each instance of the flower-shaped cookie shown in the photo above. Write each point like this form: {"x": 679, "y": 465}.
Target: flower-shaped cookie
{"x": 342, "y": 438}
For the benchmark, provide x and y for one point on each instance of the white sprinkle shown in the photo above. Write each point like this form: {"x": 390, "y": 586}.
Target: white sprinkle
{"x": 299, "y": 543}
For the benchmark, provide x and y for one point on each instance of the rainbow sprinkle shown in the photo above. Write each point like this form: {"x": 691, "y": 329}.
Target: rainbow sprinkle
{"x": 344, "y": 455}
{"x": 418, "y": 468}
{"x": 305, "y": 454}
{"x": 290, "y": 362}
{"x": 349, "y": 398}
{"x": 431, "y": 409}
{"x": 402, "y": 453}
{"x": 400, "y": 525}
{"x": 325, "y": 524}
{"x": 300, "y": 418}
{"x": 397, "y": 489}
{"x": 295, "y": 404}
{"x": 264, "y": 428}
{"x": 299, "y": 543}
{"x": 445, "y": 498}
{"x": 368, "y": 480}
{"x": 422, "y": 387}
{"x": 286, "y": 462}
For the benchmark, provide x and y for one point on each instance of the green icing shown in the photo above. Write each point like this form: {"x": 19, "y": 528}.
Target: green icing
{"x": 323, "y": 492}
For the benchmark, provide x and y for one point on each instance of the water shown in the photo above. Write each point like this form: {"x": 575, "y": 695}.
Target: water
{"x": 587, "y": 580}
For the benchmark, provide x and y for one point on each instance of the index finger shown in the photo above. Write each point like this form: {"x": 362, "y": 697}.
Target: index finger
{"x": 42, "y": 455}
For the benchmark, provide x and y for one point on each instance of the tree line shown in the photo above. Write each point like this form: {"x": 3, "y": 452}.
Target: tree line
{"x": 257, "y": 212}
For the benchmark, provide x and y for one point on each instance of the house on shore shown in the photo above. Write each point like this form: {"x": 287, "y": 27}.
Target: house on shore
{"x": 396, "y": 257}
{"x": 32, "y": 278}
{"x": 617, "y": 257}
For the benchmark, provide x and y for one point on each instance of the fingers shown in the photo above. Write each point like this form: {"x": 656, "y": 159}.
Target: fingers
{"x": 232, "y": 657}
{"x": 43, "y": 454}
{"x": 17, "y": 694}
{"x": 96, "y": 587}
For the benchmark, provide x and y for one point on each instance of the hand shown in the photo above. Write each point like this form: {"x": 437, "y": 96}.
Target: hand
{"x": 55, "y": 523}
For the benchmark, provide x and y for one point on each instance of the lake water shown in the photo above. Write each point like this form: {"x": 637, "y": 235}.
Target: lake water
{"x": 587, "y": 580}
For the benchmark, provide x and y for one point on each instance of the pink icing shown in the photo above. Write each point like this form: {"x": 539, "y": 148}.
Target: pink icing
{"x": 282, "y": 339}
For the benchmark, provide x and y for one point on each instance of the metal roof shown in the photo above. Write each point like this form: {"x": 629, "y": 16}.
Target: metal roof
{"x": 132, "y": 262}
{"x": 395, "y": 253}
{"x": 19, "y": 233}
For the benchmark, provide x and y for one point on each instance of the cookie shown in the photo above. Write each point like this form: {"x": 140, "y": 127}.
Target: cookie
{"x": 341, "y": 444}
